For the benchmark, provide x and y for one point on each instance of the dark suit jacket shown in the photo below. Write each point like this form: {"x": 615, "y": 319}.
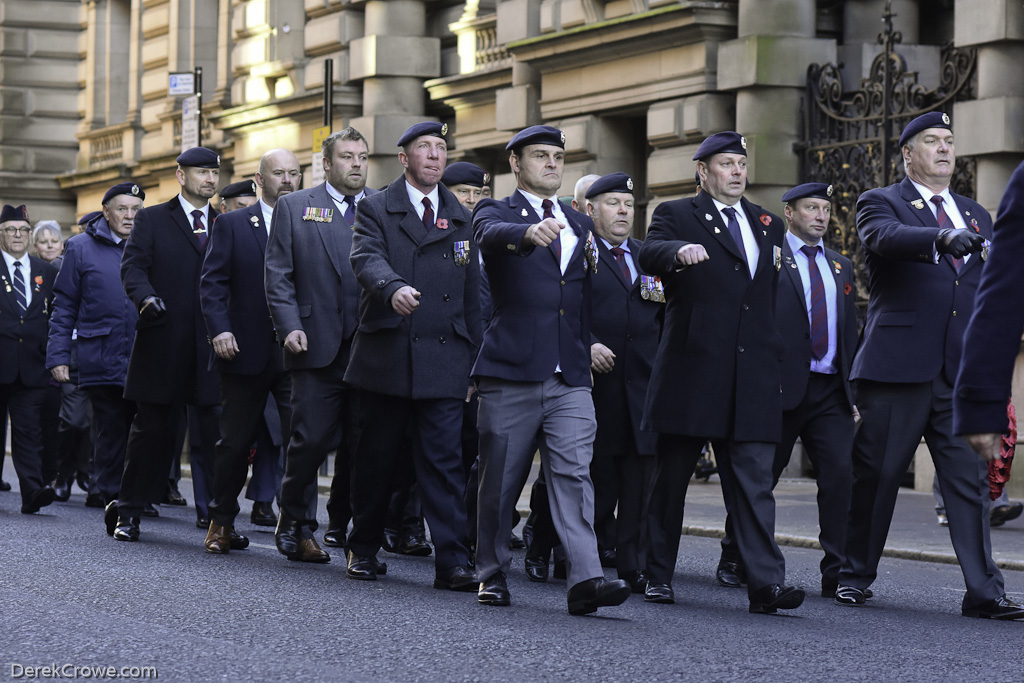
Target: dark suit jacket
{"x": 795, "y": 327}
{"x": 232, "y": 293}
{"x": 992, "y": 340}
{"x": 717, "y": 374}
{"x": 917, "y": 310}
{"x": 630, "y": 326}
{"x": 23, "y": 339}
{"x": 540, "y": 317}
{"x": 427, "y": 354}
{"x": 309, "y": 282}
{"x": 171, "y": 356}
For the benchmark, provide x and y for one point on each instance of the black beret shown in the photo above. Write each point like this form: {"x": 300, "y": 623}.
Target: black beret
{"x": 465, "y": 173}
{"x": 728, "y": 142}
{"x": 123, "y": 188}
{"x": 243, "y": 188}
{"x": 809, "y": 190}
{"x": 613, "y": 182}
{"x": 933, "y": 119}
{"x": 537, "y": 135}
{"x": 435, "y": 128}
{"x": 14, "y": 213}
{"x": 199, "y": 157}
{"x": 89, "y": 217}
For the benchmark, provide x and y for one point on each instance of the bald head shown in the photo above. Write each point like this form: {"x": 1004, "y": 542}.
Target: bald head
{"x": 580, "y": 192}
{"x": 279, "y": 174}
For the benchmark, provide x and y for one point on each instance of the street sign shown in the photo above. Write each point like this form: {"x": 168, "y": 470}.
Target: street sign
{"x": 316, "y": 172}
{"x": 319, "y": 135}
{"x": 182, "y": 83}
{"x": 189, "y": 123}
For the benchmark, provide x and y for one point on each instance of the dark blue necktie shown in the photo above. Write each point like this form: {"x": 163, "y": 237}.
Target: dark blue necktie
{"x": 19, "y": 287}
{"x": 197, "y": 227}
{"x": 733, "y": 226}
{"x": 548, "y": 207}
{"x": 428, "y": 214}
{"x": 350, "y": 210}
{"x": 819, "y": 308}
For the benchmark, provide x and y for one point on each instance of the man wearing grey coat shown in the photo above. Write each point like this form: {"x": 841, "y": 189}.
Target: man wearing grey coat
{"x": 419, "y": 330}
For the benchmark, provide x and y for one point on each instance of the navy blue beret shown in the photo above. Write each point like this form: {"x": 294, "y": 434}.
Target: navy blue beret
{"x": 933, "y": 119}
{"x": 14, "y": 213}
{"x": 199, "y": 157}
{"x": 537, "y": 135}
{"x": 123, "y": 188}
{"x": 727, "y": 142}
{"x": 243, "y": 188}
{"x": 89, "y": 217}
{"x": 465, "y": 173}
{"x": 613, "y": 182}
{"x": 809, "y": 190}
{"x": 435, "y": 128}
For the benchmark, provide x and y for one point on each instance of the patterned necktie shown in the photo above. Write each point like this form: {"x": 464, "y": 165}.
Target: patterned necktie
{"x": 733, "y": 226}
{"x": 350, "y": 210}
{"x": 19, "y": 287}
{"x": 197, "y": 227}
{"x": 620, "y": 257}
{"x": 943, "y": 220}
{"x": 547, "y": 205}
{"x": 428, "y": 214}
{"x": 819, "y": 308}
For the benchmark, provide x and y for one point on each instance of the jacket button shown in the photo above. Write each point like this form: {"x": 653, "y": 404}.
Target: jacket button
{"x": 415, "y": 338}
{"x": 956, "y": 282}
{"x": 561, "y": 311}
{"x": 442, "y": 340}
{"x": 444, "y": 255}
{"x": 736, "y": 267}
{"x": 746, "y": 307}
{"x": 740, "y": 349}
{"x": 447, "y": 298}
{"x": 563, "y": 283}
{"x": 954, "y": 314}
{"x": 380, "y": 283}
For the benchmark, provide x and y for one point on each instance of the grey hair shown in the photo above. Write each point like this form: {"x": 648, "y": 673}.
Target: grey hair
{"x": 44, "y": 227}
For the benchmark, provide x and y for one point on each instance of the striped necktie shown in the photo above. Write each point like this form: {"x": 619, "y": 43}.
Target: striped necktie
{"x": 19, "y": 287}
{"x": 819, "y": 309}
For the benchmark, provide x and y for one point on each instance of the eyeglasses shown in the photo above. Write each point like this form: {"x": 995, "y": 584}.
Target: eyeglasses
{"x": 13, "y": 231}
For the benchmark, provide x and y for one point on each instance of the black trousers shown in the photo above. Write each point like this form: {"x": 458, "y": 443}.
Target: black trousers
{"x": 24, "y": 405}
{"x": 112, "y": 416}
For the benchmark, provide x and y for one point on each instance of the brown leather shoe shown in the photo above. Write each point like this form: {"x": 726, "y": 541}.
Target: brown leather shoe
{"x": 310, "y": 551}
{"x": 218, "y": 539}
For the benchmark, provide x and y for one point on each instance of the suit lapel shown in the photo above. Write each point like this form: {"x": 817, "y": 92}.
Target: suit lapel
{"x": 320, "y": 199}
{"x": 525, "y": 212}
{"x": 757, "y": 216}
{"x": 185, "y": 224}
{"x": 708, "y": 215}
{"x": 606, "y": 255}
{"x": 259, "y": 228}
{"x": 793, "y": 273}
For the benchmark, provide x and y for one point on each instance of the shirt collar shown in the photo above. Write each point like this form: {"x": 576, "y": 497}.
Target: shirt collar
{"x": 795, "y": 243}
{"x": 947, "y": 199}
{"x": 624, "y": 246}
{"x": 416, "y": 197}
{"x": 339, "y": 197}
{"x": 189, "y": 208}
{"x": 25, "y": 263}
{"x": 720, "y": 206}
{"x": 536, "y": 202}
{"x": 267, "y": 211}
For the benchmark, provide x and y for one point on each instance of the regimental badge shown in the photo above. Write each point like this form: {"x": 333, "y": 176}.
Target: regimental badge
{"x": 487, "y": 178}
{"x": 945, "y": 118}
{"x": 777, "y": 254}
{"x": 651, "y": 289}
{"x": 460, "y": 250}
{"x": 917, "y": 203}
{"x": 974, "y": 224}
{"x": 562, "y": 136}
{"x": 218, "y": 160}
{"x": 444, "y": 129}
{"x": 7, "y": 285}
{"x": 629, "y": 184}
{"x": 525, "y": 213}
{"x": 317, "y": 214}
{"x": 984, "y": 250}
{"x": 135, "y": 189}
{"x": 717, "y": 231}
{"x": 829, "y": 191}
{"x": 707, "y": 216}
{"x": 254, "y": 220}
{"x": 838, "y": 266}
{"x": 253, "y": 185}
{"x": 743, "y": 141}
{"x": 590, "y": 252}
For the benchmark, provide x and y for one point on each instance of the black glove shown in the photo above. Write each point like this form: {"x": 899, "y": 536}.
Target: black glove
{"x": 958, "y": 243}
{"x": 152, "y": 309}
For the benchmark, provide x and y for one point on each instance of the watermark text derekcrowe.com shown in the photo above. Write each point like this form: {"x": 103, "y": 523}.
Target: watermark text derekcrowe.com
{"x": 73, "y": 671}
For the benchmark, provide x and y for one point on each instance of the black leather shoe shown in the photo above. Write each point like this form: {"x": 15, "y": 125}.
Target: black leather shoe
{"x": 516, "y": 543}
{"x": 415, "y": 545}
{"x": 608, "y": 558}
{"x": 636, "y": 579}
{"x": 382, "y": 567}
{"x": 770, "y": 599}
{"x": 173, "y": 495}
{"x": 731, "y": 574}
{"x": 96, "y": 500}
{"x": 82, "y": 479}
{"x": 494, "y": 591}
{"x": 850, "y": 596}
{"x": 828, "y": 590}
{"x": 659, "y": 593}
{"x": 149, "y": 511}
{"x": 202, "y": 522}
{"x": 1002, "y": 608}
{"x": 585, "y": 597}
{"x": 61, "y": 491}
{"x": 37, "y": 500}
{"x": 310, "y": 551}
{"x": 536, "y": 566}
{"x": 335, "y": 538}
{"x": 110, "y": 517}
{"x": 460, "y": 579}
{"x": 559, "y": 571}
{"x": 1001, "y": 514}
{"x": 4, "y": 485}
{"x": 127, "y": 529}
{"x": 237, "y": 540}
{"x": 287, "y": 536}
{"x": 390, "y": 540}
{"x": 263, "y": 514}
{"x": 361, "y": 568}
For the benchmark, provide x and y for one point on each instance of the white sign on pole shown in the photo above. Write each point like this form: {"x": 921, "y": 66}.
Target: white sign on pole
{"x": 316, "y": 172}
{"x": 182, "y": 83}
{"x": 189, "y": 123}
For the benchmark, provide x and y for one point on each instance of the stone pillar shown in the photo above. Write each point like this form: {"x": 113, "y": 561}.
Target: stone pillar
{"x": 392, "y": 59}
{"x": 518, "y": 106}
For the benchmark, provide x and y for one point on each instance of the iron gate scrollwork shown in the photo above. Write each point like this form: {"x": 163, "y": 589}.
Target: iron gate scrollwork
{"x": 851, "y": 138}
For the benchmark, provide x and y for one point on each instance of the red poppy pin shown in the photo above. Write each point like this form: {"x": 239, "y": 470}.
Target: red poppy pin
{"x": 442, "y": 223}
{"x": 847, "y": 289}
{"x": 974, "y": 224}
{"x": 766, "y": 219}
{"x": 39, "y": 279}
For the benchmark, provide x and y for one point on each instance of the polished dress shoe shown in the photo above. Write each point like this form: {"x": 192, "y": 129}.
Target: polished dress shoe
{"x": 173, "y": 496}
{"x": 96, "y": 500}
{"x": 5, "y": 485}
{"x": 516, "y": 543}
{"x": 217, "y": 540}
{"x": 659, "y": 593}
{"x": 1001, "y": 514}
{"x": 61, "y": 491}
{"x": 414, "y": 544}
{"x": 536, "y": 566}
{"x": 36, "y": 500}
{"x": 494, "y": 591}
{"x": 287, "y": 536}
{"x": 730, "y": 573}
{"x": 110, "y": 517}
{"x": 127, "y": 529}
{"x": 608, "y": 558}
{"x": 149, "y": 511}
{"x": 586, "y": 596}
{"x": 460, "y": 579}
{"x": 361, "y": 568}
{"x": 309, "y": 551}
{"x": 263, "y": 514}
{"x": 238, "y": 541}
{"x": 335, "y": 538}
{"x": 1002, "y": 608}
{"x": 636, "y": 579}
{"x": 82, "y": 479}
{"x": 770, "y": 599}
{"x": 201, "y": 521}
{"x": 850, "y": 596}
{"x": 390, "y": 540}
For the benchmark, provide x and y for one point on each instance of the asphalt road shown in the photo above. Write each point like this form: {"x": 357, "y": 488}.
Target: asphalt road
{"x": 71, "y": 595}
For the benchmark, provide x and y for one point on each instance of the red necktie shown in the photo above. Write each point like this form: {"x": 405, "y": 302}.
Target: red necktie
{"x": 620, "y": 257}
{"x": 428, "y": 214}
{"x": 819, "y": 309}
{"x": 197, "y": 227}
{"x": 943, "y": 220}
{"x": 547, "y": 205}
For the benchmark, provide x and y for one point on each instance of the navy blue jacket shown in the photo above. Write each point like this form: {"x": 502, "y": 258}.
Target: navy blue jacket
{"x": 540, "y": 318}
{"x": 918, "y": 309}
{"x": 88, "y": 296}
{"x": 23, "y": 338}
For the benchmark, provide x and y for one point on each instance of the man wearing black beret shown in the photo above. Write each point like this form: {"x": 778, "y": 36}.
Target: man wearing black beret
{"x": 466, "y": 181}
{"x": 169, "y": 362}
{"x": 925, "y": 252}
{"x": 717, "y": 375}
{"x": 238, "y": 195}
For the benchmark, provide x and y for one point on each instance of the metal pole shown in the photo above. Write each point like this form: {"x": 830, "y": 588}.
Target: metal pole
{"x": 328, "y": 92}
{"x": 199, "y": 104}
{"x": 887, "y": 37}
